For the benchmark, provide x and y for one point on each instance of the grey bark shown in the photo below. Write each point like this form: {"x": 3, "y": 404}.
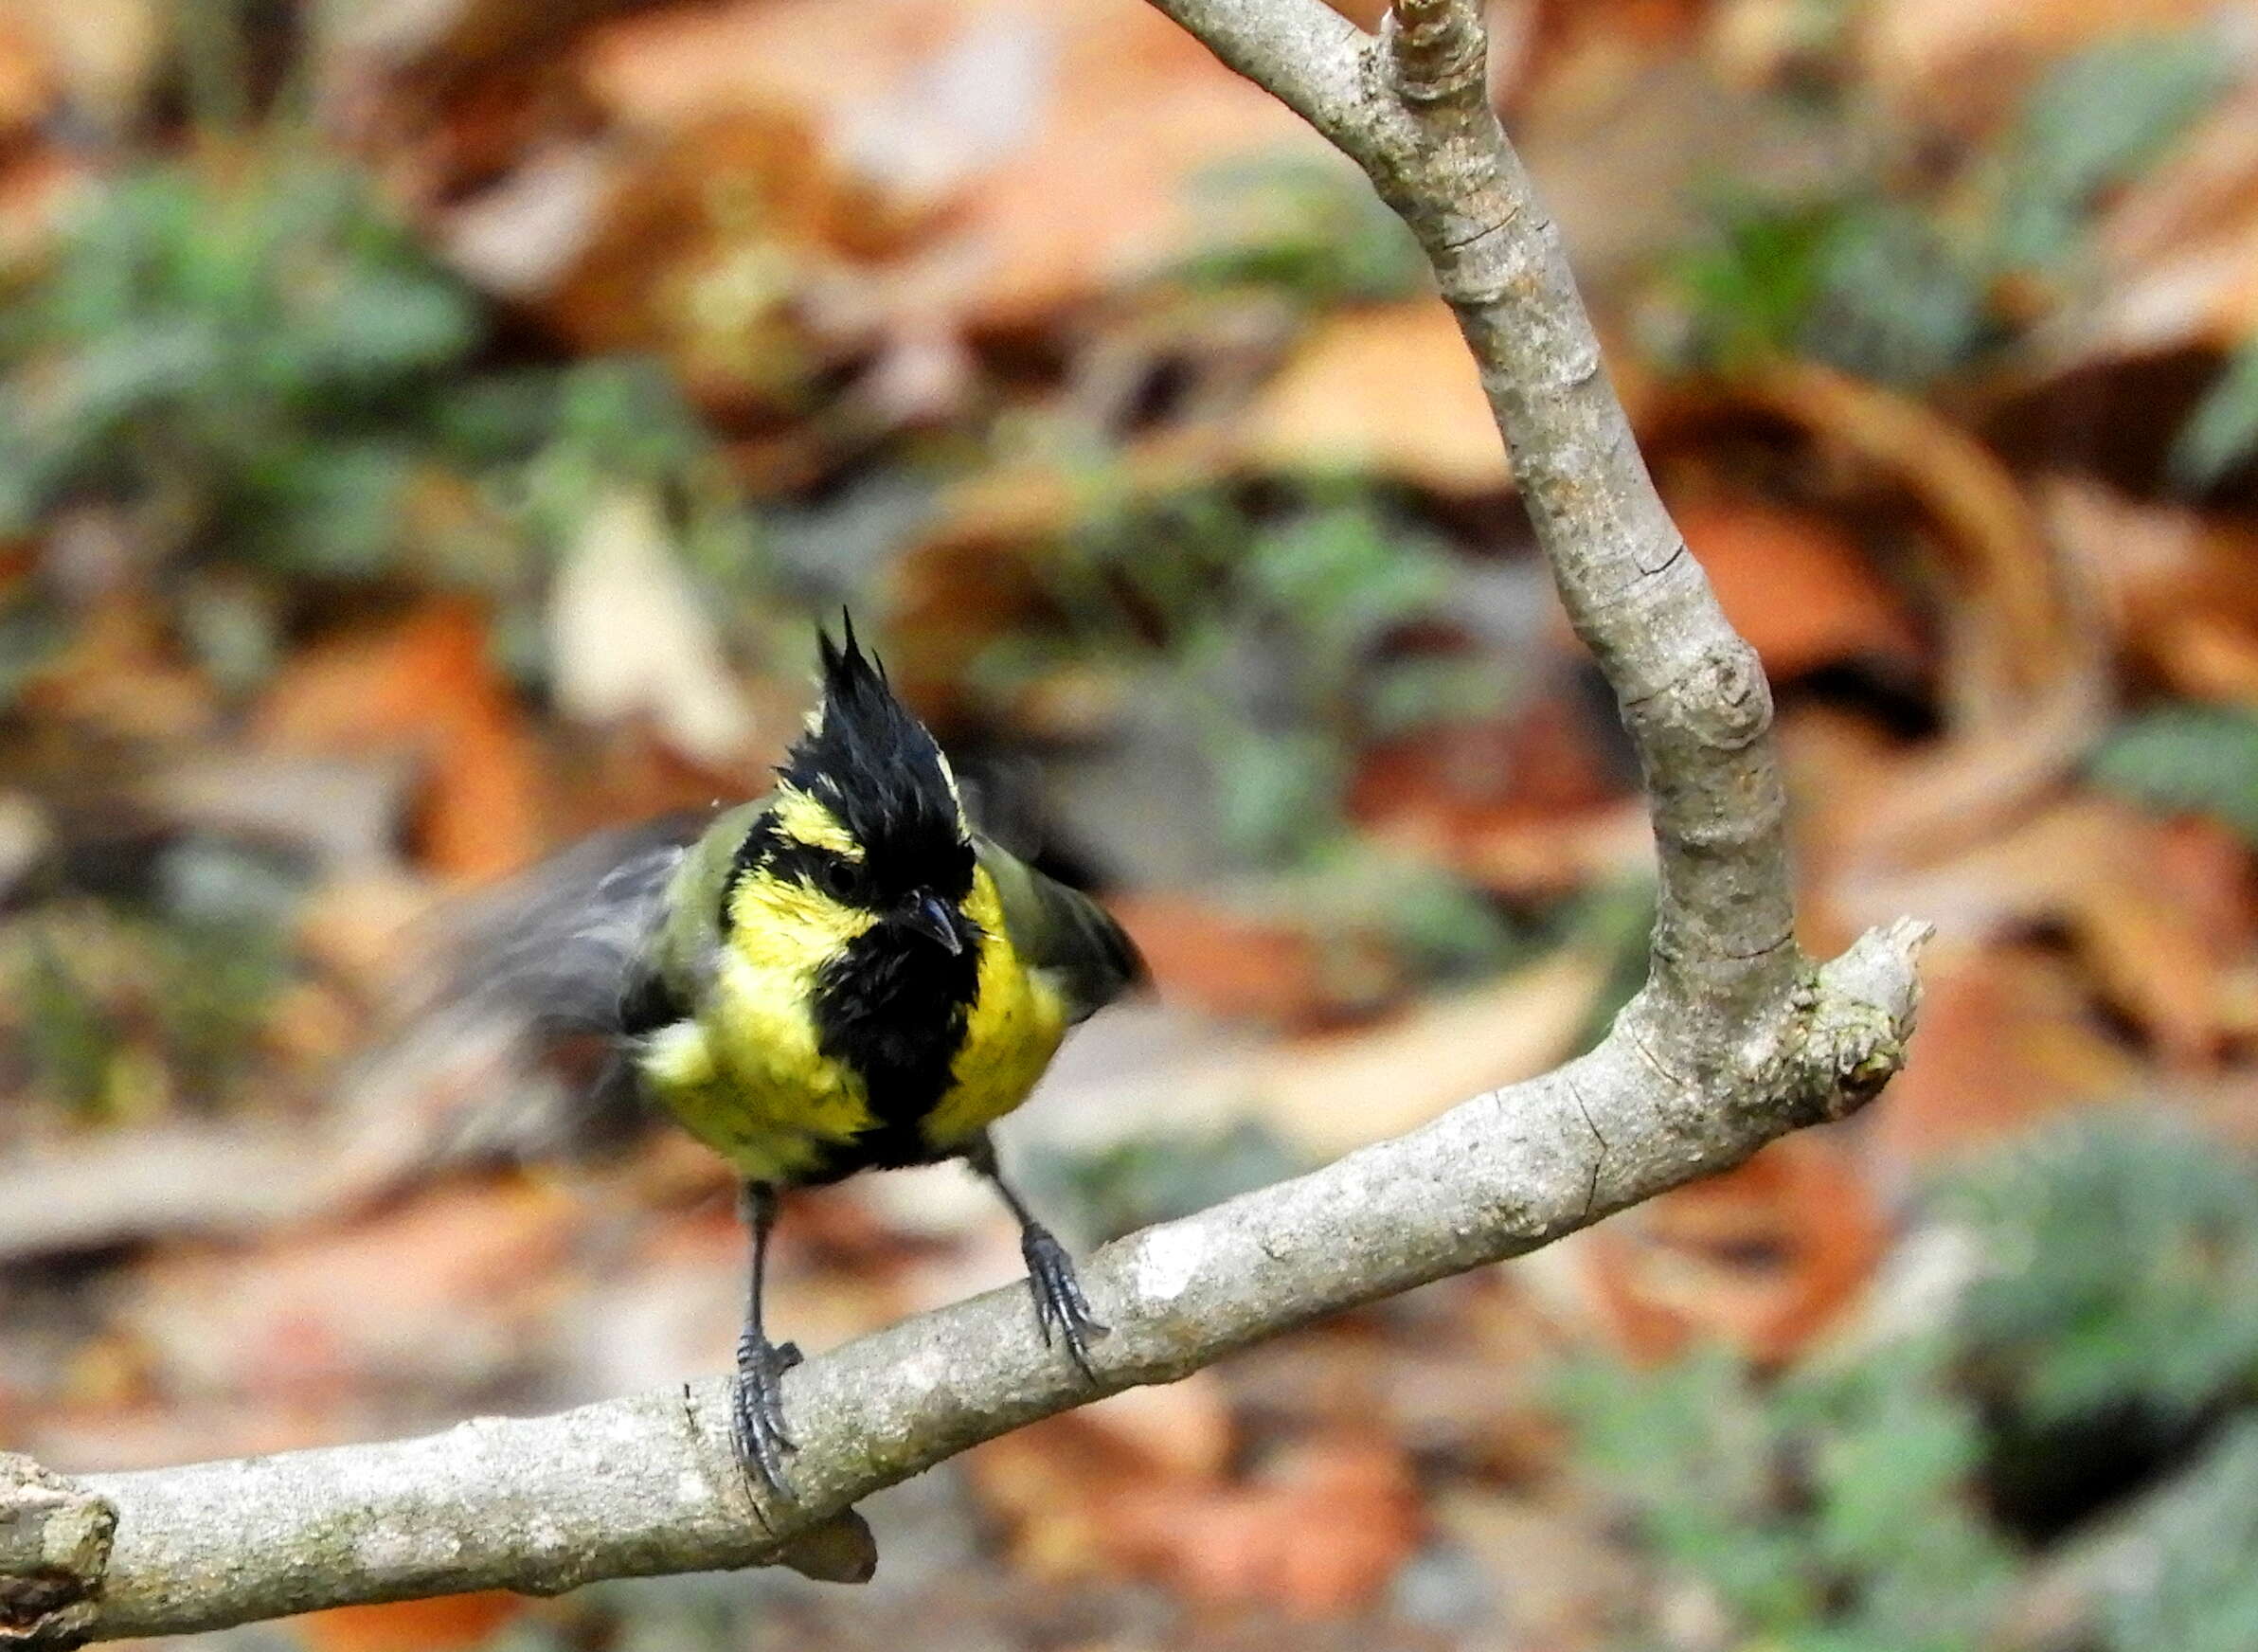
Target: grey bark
{"x": 1736, "y": 1039}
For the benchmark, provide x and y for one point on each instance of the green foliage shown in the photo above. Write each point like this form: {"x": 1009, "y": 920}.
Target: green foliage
{"x": 607, "y": 422}
{"x": 248, "y": 357}
{"x": 1900, "y": 303}
{"x": 2192, "y": 1585}
{"x": 2199, "y": 757}
{"x": 2097, "y": 121}
{"x": 2122, "y": 1293}
{"x": 1841, "y": 1505}
{"x": 1862, "y": 283}
{"x": 1752, "y": 280}
{"x": 2222, "y": 433}
{"x": 1425, "y": 917}
{"x": 1268, "y": 636}
{"x": 1900, "y": 289}
{"x": 1828, "y": 1512}
{"x": 602, "y": 424}
{"x": 68, "y": 1044}
{"x": 1616, "y": 922}
{"x": 1162, "y": 1176}
{"x": 132, "y": 995}
{"x": 2122, "y": 1269}
{"x": 1311, "y": 229}
{"x": 260, "y": 368}
{"x": 1268, "y": 643}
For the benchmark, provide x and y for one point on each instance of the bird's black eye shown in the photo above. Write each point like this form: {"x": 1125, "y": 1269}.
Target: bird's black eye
{"x": 842, "y": 880}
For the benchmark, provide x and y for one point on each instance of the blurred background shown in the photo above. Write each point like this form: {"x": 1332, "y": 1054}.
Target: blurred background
{"x": 429, "y": 430}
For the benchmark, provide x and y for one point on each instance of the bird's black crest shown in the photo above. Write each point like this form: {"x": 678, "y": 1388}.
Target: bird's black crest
{"x": 875, "y": 766}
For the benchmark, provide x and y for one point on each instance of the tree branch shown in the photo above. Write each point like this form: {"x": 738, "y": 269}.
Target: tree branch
{"x": 1735, "y": 1040}
{"x": 647, "y": 1484}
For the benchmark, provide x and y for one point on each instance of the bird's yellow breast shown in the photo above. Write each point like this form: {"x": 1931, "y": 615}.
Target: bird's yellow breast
{"x": 748, "y": 1076}
{"x": 1010, "y": 1033}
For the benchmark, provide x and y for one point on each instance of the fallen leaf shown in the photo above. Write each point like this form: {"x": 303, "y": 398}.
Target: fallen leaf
{"x": 1796, "y": 586}
{"x": 1764, "y": 1257}
{"x": 441, "y": 1623}
{"x": 311, "y": 1027}
{"x": 105, "y": 54}
{"x": 443, "y": 1294}
{"x": 426, "y": 684}
{"x": 1464, "y": 1373}
{"x": 145, "y": 1433}
{"x": 449, "y": 98}
{"x": 1339, "y": 1091}
{"x": 107, "y": 1190}
{"x": 1323, "y": 1094}
{"x": 2015, "y": 627}
{"x": 1961, "y": 66}
{"x": 343, "y": 812}
{"x": 982, "y": 565}
{"x": 1527, "y": 808}
{"x": 1389, "y": 392}
{"x": 1945, "y": 798}
{"x": 522, "y": 236}
{"x": 121, "y": 675}
{"x": 1059, "y": 1481}
{"x": 2174, "y": 252}
{"x": 2178, "y": 588}
{"x": 1320, "y": 1532}
{"x": 1230, "y": 964}
{"x": 1571, "y": 1570}
{"x": 991, "y": 126}
{"x": 2157, "y": 912}
{"x": 26, "y": 79}
{"x": 704, "y": 249}
{"x": 628, "y": 636}
{"x": 2007, "y": 1037}
{"x": 1624, "y": 125}
{"x": 1181, "y": 1430}
{"x": 37, "y": 196}
{"x": 352, "y": 929}
{"x": 1318, "y": 1529}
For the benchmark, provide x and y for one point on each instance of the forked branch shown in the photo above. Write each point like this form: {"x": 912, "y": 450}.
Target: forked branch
{"x": 1736, "y": 1039}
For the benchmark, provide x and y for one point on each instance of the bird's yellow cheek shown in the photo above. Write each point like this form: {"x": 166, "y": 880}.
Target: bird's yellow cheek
{"x": 788, "y": 928}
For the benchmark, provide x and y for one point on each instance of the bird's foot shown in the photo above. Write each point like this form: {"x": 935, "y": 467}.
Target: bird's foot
{"x": 1062, "y": 1312}
{"x": 757, "y": 1411}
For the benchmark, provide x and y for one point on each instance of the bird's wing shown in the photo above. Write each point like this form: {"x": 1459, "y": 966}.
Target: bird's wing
{"x": 1062, "y": 932}
{"x": 668, "y": 977}
{"x": 533, "y": 969}
{"x": 553, "y": 944}
{"x": 613, "y": 938}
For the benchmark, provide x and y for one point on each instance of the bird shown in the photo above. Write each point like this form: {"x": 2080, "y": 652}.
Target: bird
{"x": 843, "y": 975}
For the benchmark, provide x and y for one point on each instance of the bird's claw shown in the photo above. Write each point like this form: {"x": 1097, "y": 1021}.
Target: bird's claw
{"x": 757, "y": 1412}
{"x": 1062, "y": 1312}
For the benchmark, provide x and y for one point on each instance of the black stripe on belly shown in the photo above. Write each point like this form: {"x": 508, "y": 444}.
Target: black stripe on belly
{"x": 893, "y": 1007}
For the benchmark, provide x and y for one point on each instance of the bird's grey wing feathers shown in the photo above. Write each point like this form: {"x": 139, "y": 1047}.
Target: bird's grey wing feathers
{"x": 558, "y": 955}
{"x": 556, "y": 944}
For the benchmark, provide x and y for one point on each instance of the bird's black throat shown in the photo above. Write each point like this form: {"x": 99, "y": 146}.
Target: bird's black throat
{"x": 893, "y": 1006}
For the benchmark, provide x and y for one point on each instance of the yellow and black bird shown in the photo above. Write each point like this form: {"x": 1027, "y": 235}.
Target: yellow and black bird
{"x": 840, "y": 976}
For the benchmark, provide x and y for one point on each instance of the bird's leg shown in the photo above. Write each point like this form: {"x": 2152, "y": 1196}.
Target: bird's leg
{"x": 757, "y": 1403}
{"x": 1062, "y": 1312}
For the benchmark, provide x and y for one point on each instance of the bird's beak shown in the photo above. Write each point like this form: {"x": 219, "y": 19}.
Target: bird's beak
{"x": 930, "y": 916}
